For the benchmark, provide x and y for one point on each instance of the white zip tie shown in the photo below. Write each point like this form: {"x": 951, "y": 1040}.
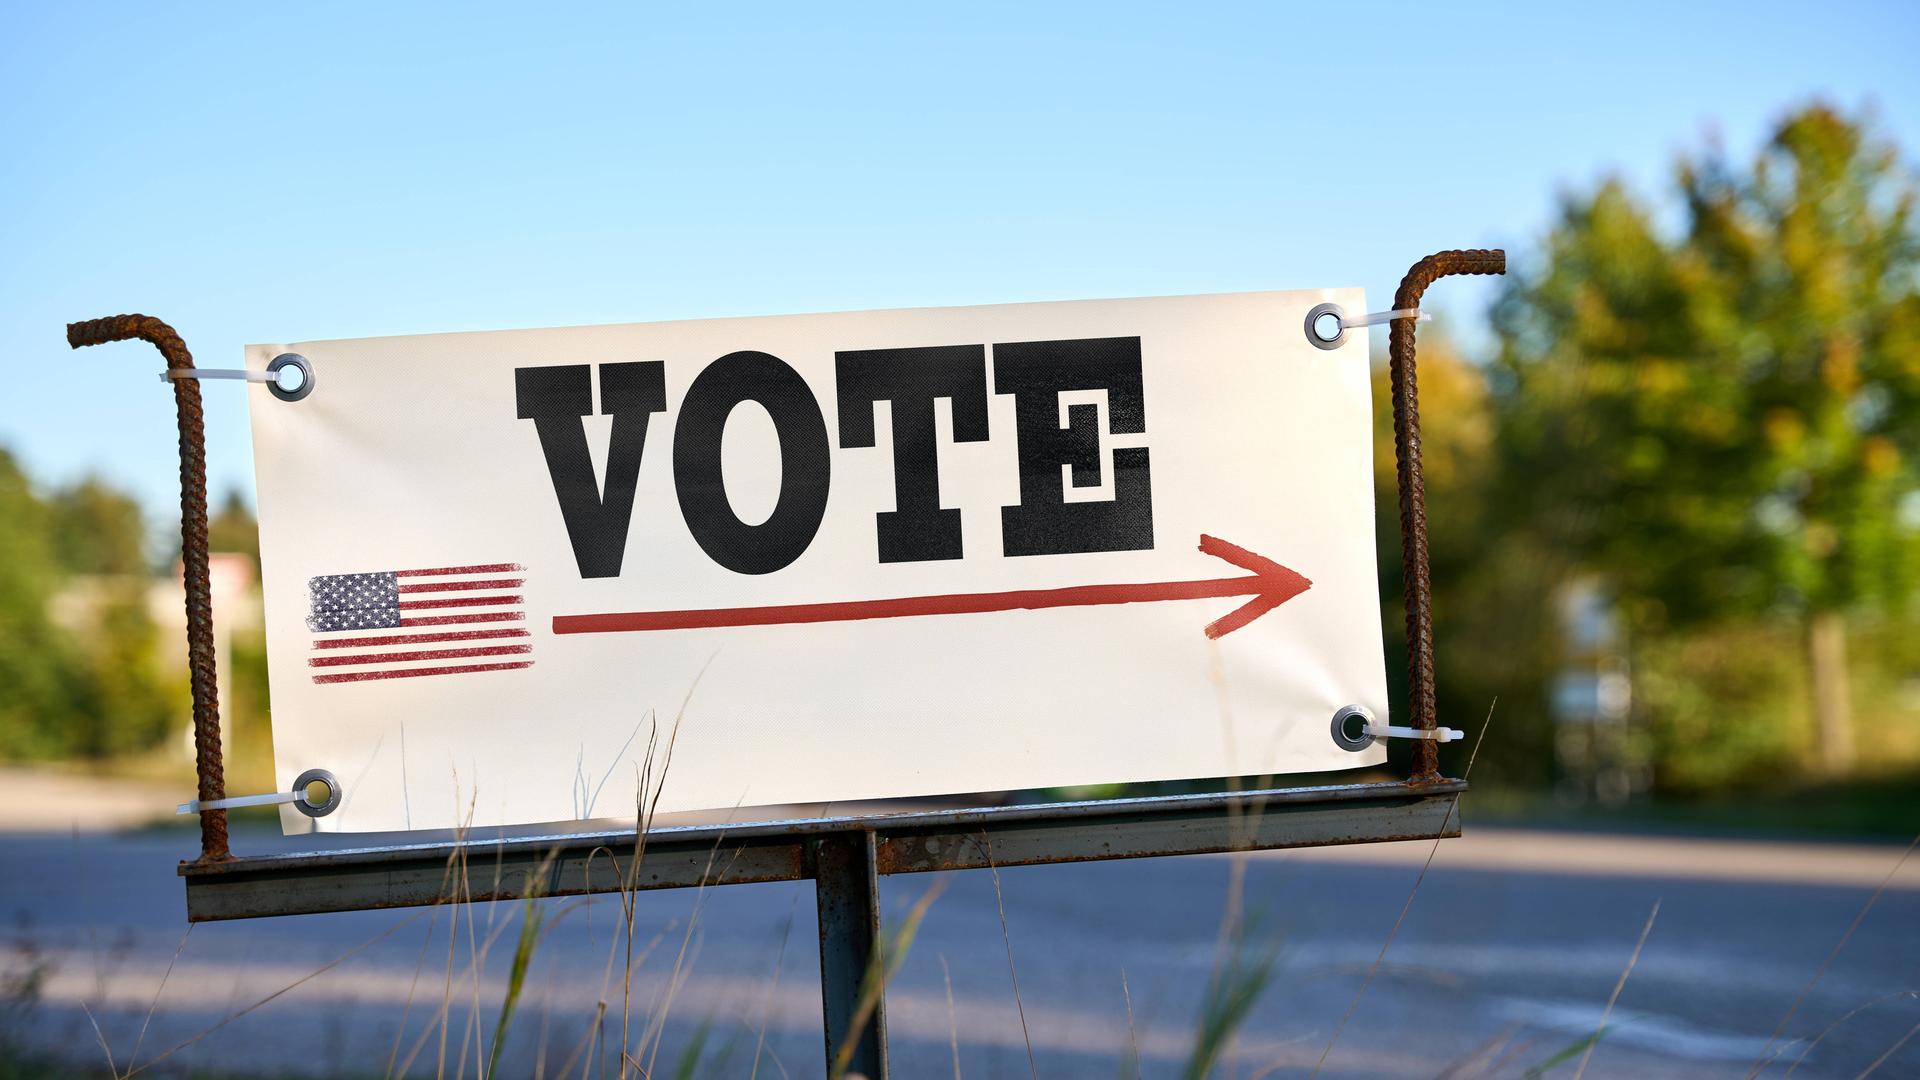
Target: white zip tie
{"x": 1355, "y": 739}
{"x": 297, "y": 796}
{"x": 272, "y": 799}
{"x": 220, "y": 373}
{"x": 288, "y": 376}
{"x": 1352, "y": 322}
{"x": 1327, "y": 324}
{"x": 1393, "y": 731}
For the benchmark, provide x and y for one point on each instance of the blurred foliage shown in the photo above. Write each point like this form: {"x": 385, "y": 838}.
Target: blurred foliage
{"x": 88, "y": 685}
{"x": 1721, "y": 420}
{"x": 37, "y": 664}
{"x": 1727, "y": 420}
{"x": 1726, "y": 707}
{"x": 124, "y": 699}
{"x": 1723, "y": 706}
{"x": 97, "y": 530}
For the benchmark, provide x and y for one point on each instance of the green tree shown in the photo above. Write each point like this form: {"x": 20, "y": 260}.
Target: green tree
{"x": 87, "y": 682}
{"x": 37, "y": 669}
{"x": 123, "y": 701}
{"x": 97, "y": 530}
{"x": 1722, "y": 417}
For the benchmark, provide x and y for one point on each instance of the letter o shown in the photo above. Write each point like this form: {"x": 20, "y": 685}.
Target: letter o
{"x": 804, "y": 462}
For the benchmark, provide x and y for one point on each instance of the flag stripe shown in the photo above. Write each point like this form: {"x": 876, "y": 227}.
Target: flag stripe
{"x": 465, "y": 586}
{"x": 444, "y": 571}
{"x": 418, "y": 654}
{"x": 408, "y": 673}
{"x": 366, "y": 625}
{"x": 459, "y": 601}
{"x": 415, "y": 639}
{"x": 468, "y": 617}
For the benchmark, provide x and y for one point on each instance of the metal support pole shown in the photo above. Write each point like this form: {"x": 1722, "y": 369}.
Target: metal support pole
{"x": 847, "y": 899}
{"x": 1421, "y": 710}
{"x": 202, "y": 676}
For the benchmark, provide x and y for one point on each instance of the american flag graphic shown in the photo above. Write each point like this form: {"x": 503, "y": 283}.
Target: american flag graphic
{"x": 402, "y": 624}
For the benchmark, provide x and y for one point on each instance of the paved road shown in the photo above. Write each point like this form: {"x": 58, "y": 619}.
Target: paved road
{"x": 1508, "y": 955}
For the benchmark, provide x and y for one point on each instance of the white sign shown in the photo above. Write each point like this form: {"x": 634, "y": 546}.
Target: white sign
{"x": 820, "y": 557}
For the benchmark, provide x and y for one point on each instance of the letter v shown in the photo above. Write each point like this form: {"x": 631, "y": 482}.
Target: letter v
{"x": 557, "y": 399}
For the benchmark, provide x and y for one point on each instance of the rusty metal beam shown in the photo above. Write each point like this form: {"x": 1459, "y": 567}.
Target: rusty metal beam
{"x": 202, "y": 679}
{"x": 577, "y": 864}
{"x": 1412, "y": 485}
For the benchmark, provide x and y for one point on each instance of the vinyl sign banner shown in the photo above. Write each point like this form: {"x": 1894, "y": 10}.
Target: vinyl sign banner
{"x": 821, "y": 557}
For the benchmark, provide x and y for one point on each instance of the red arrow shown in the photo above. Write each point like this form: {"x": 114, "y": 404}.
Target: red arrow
{"x": 1270, "y": 585}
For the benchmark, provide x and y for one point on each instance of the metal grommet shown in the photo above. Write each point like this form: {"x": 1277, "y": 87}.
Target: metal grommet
{"x": 1313, "y": 328}
{"x": 316, "y": 776}
{"x": 296, "y": 362}
{"x": 1350, "y": 728}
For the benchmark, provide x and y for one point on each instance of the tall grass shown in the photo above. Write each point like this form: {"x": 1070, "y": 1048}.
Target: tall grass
{"x": 1231, "y": 993}
{"x": 532, "y": 918}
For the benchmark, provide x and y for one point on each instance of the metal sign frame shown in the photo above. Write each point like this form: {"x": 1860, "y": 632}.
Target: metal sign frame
{"x": 845, "y": 856}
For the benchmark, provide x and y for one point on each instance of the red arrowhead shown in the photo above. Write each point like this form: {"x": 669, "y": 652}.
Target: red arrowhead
{"x": 1277, "y": 585}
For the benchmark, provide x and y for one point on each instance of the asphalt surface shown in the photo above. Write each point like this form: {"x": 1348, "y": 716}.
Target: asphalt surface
{"x": 1506, "y": 957}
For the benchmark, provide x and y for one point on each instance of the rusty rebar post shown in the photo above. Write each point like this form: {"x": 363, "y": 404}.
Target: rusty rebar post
{"x": 207, "y": 759}
{"x": 1413, "y": 490}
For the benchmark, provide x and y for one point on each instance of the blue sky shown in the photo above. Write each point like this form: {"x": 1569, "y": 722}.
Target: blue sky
{"x": 266, "y": 173}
